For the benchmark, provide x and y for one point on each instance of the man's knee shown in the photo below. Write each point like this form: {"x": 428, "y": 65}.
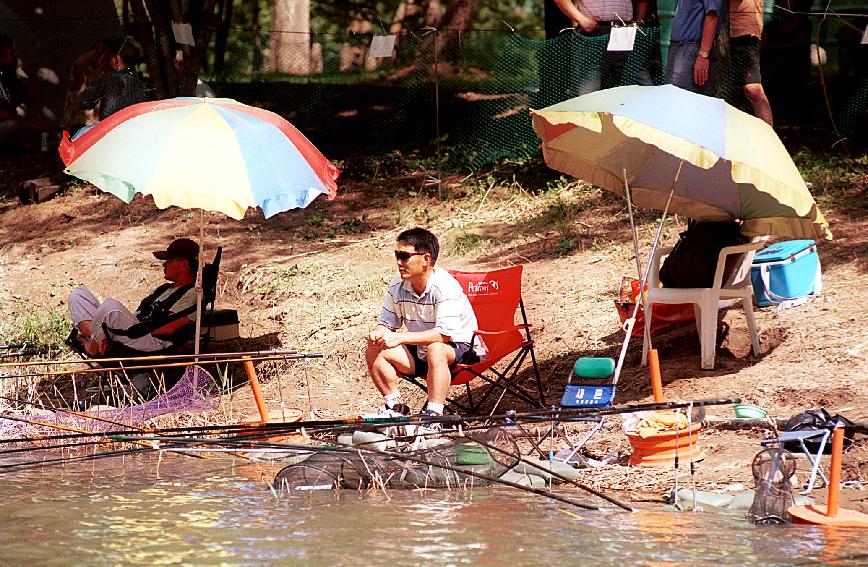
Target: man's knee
{"x": 440, "y": 354}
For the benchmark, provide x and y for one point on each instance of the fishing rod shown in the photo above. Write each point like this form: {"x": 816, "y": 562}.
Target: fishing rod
{"x": 28, "y": 352}
{"x": 75, "y": 413}
{"x": 475, "y": 474}
{"x": 519, "y": 458}
{"x": 154, "y": 366}
{"x": 554, "y": 473}
{"x": 76, "y": 445}
{"x": 62, "y": 460}
{"x": 412, "y": 459}
{"x": 212, "y": 355}
{"x": 105, "y": 435}
{"x": 65, "y": 428}
{"x": 508, "y": 417}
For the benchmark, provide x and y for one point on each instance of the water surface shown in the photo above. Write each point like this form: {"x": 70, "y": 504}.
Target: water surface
{"x": 145, "y": 510}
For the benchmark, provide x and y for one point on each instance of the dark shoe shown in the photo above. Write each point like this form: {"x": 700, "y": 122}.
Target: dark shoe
{"x": 429, "y": 427}
{"x": 399, "y": 409}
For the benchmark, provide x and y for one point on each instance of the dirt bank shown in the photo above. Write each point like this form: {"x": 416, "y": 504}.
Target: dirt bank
{"x": 314, "y": 279}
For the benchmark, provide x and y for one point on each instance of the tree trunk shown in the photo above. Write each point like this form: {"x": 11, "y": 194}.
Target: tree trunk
{"x": 457, "y": 19}
{"x": 222, "y": 36}
{"x": 290, "y": 38}
{"x": 256, "y": 40}
{"x": 152, "y": 28}
{"x": 459, "y": 15}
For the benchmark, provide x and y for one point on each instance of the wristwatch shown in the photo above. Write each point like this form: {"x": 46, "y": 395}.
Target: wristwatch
{"x": 703, "y": 53}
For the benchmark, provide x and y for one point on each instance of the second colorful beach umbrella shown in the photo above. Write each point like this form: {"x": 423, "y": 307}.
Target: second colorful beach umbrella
{"x": 718, "y": 162}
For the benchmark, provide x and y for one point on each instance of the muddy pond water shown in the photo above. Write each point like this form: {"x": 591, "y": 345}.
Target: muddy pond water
{"x": 147, "y": 510}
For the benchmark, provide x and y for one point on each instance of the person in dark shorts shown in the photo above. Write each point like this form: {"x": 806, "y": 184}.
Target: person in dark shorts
{"x": 430, "y": 304}
{"x": 746, "y": 26}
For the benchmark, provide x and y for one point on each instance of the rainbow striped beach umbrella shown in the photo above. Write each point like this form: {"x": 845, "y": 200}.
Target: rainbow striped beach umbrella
{"x": 718, "y": 162}
{"x": 214, "y": 154}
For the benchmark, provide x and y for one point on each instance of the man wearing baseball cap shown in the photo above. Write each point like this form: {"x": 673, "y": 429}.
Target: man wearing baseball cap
{"x": 169, "y": 309}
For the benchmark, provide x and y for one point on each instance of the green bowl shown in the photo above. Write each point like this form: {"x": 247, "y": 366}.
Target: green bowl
{"x": 749, "y": 411}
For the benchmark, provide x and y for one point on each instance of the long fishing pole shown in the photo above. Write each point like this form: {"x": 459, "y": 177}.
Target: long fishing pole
{"x": 62, "y": 460}
{"x": 555, "y": 474}
{"x": 273, "y": 428}
{"x": 66, "y": 428}
{"x": 153, "y": 366}
{"x": 472, "y": 473}
{"x": 350, "y": 448}
{"x": 78, "y": 414}
{"x": 412, "y": 459}
{"x": 76, "y": 445}
{"x": 29, "y": 352}
{"x": 106, "y": 435}
{"x": 253, "y": 354}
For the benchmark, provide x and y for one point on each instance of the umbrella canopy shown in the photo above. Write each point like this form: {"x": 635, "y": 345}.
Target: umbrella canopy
{"x": 214, "y": 154}
{"x": 733, "y": 165}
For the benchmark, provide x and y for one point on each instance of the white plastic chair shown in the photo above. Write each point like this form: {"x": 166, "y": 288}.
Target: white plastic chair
{"x": 706, "y": 301}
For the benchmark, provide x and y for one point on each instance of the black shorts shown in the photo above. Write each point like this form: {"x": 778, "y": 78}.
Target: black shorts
{"x": 746, "y": 59}
{"x": 463, "y": 355}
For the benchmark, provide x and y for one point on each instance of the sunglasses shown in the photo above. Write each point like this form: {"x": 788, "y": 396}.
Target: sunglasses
{"x": 402, "y": 256}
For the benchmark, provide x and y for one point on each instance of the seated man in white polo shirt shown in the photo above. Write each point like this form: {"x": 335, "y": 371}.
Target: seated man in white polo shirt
{"x": 439, "y": 322}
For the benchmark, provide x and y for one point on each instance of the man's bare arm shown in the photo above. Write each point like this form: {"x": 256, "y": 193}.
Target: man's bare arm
{"x": 569, "y": 9}
{"x": 709, "y": 32}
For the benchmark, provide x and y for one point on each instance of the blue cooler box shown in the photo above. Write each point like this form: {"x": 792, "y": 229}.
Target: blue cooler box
{"x": 786, "y": 272}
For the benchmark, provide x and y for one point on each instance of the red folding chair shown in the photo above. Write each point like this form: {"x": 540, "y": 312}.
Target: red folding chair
{"x": 495, "y": 297}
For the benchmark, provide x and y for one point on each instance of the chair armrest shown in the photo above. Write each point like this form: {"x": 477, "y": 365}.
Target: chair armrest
{"x": 480, "y": 332}
{"x": 654, "y": 272}
{"x": 748, "y": 248}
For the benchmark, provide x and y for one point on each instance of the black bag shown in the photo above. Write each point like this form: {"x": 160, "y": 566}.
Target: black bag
{"x": 817, "y": 419}
{"x": 694, "y": 259}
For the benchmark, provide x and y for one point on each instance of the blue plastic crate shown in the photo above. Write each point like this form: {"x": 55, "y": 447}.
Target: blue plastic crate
{"x": 785, "y": 272}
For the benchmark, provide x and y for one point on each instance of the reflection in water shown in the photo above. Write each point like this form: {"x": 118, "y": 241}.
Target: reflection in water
{"x": 142, "y": 510}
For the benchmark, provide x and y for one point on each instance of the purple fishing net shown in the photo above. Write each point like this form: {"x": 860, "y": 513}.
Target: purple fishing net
{"x": 195, "y": 391}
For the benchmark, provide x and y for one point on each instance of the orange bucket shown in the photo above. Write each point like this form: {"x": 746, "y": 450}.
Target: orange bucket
{"x": 660, "y": 450}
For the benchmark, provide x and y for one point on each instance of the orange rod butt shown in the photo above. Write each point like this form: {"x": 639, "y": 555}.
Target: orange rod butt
{"x": 656, "y": 380}
{"x": 835, "y": 472}
{"x": 257, "y": 390}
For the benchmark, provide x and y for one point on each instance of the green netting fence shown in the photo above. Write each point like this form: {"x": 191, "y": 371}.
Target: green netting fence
{"x": 471, "y": 90}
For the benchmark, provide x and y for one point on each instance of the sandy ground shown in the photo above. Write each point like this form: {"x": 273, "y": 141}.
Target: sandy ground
{"x": 313, "y": 280}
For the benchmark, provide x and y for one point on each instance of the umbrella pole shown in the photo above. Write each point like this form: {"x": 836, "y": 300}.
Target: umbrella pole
{"x": 199, "y": 282}
{"x": 633, "y": 228}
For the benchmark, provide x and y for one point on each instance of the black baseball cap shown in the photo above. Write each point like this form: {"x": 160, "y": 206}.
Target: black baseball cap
{"x": 180, "y": 248}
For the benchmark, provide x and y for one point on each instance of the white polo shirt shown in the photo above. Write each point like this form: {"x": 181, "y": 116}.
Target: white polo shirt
{"x": 442, "y": 306}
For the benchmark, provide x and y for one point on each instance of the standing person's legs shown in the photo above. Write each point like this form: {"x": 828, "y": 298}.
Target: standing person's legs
{"x": 679, "y": 67}
{"x": 745, "y": 50}
{"x": 587, "y": 60}
{"x": 759, "y": 102}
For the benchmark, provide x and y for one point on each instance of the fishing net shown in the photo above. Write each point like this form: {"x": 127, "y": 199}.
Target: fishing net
{"x": 445, "y": 462}
{"x": 195, "y": 391}
{"x": 772, "y": 470}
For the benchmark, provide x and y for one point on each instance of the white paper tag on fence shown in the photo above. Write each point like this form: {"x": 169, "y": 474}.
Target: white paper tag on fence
{"x": 865, "y": 36}
{"x": 622, "y": 39}
{"x": 382, "y": 45}
{"x": 183, "y": 34}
